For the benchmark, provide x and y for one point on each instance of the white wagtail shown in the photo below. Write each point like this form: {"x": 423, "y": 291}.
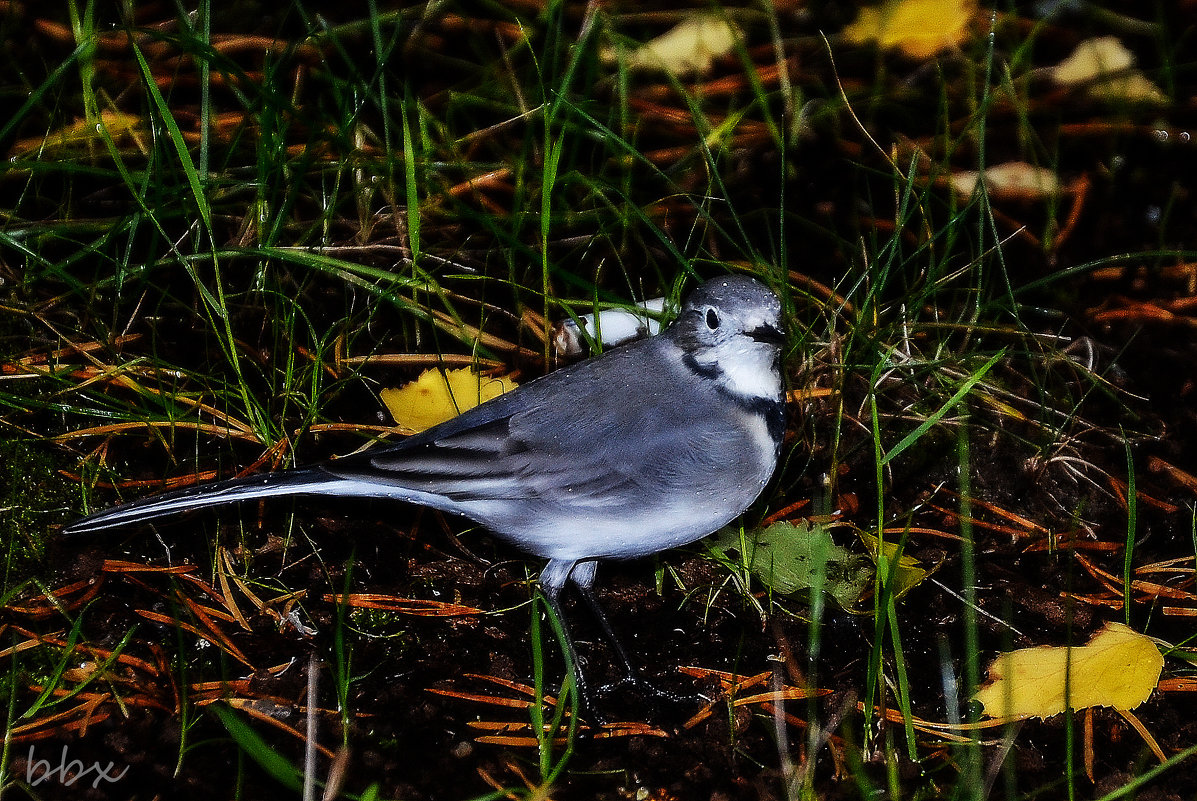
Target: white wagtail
{"x": 649, "y": 446}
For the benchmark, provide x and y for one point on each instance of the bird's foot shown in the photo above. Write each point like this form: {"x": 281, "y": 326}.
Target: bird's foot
{"x": 643, "y": 700}
{"x": 647, "y": 689}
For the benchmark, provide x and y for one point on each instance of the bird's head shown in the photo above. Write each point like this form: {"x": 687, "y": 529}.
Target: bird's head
{"x": 730, "y": 330}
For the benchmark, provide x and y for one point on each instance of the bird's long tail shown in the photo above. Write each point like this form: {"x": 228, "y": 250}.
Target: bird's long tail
{"x": 305, "y": 481}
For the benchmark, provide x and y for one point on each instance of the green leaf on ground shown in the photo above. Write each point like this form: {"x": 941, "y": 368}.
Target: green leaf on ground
{"x": 789, "y": 558}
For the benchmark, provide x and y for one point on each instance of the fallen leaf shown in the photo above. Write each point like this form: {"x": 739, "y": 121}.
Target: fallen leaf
{"x": 1106, "y": 70}
{"x": 919, "y": 28}
{"x": 906, "y": 574}
{"x": 690, "y": 47}
{"x": 438, "y": 396}
{"x": 1133, "y": 86}
{"x": 1093, "y": 59}
{"x": 1016, "y": 178}
{"x": 789, "y": 558}
{"x": 1118, "y": 667}
{"x": 609, "y": 327}
{"x": 81, "y": 133}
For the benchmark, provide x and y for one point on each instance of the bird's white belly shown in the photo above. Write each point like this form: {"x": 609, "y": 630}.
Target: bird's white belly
{"x": 619, "y": 534}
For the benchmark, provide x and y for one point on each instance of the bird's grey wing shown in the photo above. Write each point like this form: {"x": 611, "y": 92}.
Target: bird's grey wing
{"x": 519, "y": 445}
{"x": 596, "y": 430}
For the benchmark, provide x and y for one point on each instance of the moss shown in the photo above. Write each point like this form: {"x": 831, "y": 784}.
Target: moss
{"x": 33, "y": 497}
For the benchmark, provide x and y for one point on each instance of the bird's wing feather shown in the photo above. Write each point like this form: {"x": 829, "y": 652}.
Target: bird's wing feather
{"x": 539, "y": 443}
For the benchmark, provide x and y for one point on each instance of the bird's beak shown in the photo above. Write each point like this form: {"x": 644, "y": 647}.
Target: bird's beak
{"x": 768, "y": 333}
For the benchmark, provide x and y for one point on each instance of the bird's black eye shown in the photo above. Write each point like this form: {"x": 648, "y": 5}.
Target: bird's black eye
{"x": 712, "y": 319}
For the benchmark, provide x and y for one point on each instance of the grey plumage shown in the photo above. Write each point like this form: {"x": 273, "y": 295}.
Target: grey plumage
{"x": 647, "y": 447}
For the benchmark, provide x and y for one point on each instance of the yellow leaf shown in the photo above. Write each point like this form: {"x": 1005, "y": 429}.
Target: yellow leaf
{"x": 691, "y": 46}
{"x": 919, "y": 28}
{"x": 905, "y": 574}
{"x": 435, "y": 397}
{"x": 1106, "y": 70}
{"x": 1118, "y": 667}
{"x": 1093, "y": 59}
{"x": 1134, "y": 87}
{"x": 1015, "y": 178}
{"x": 81, "y": 133}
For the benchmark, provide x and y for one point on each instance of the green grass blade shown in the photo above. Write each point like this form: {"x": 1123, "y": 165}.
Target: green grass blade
{"x": 176, "y": 140}
{"x": 939, "y": 414}
{"x": 411, "y": 183}
{"x": 258, "y": 749}
{"x": 1128, "y": 551}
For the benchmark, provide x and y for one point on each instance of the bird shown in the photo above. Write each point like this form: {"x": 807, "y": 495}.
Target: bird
{"x": 649, "y": 446}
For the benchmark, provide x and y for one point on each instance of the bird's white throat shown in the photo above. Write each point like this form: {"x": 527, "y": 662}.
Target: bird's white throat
{"x": 746, "y": 369}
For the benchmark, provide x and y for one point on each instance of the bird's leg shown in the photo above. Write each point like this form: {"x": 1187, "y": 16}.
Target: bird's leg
{"x": 583, "y": 576}
{"x": 552, "y": 581}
